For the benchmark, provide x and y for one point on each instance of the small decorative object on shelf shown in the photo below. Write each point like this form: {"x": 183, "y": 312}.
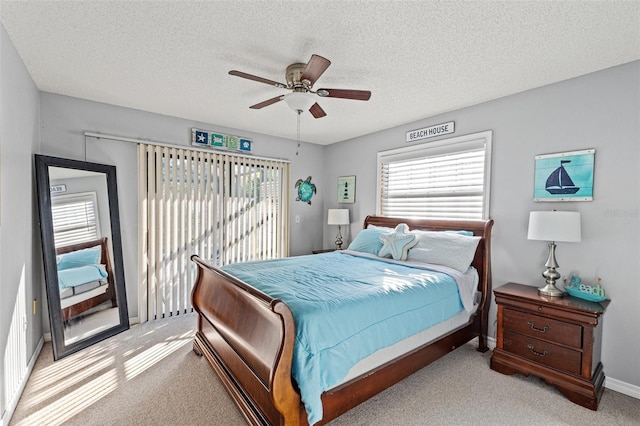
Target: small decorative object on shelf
{"x": 576, "y": 289}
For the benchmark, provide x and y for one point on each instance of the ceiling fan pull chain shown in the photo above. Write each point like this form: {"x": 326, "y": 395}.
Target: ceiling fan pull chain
{"x": 298, "y": 148}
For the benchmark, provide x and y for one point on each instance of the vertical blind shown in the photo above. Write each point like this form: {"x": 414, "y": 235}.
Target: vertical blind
{"x": 222, "y": 207}
{"x": 445, "y": 180}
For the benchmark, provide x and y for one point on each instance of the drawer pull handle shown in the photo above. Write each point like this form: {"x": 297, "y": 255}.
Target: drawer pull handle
{"x": 541, "y": 330}
{"x": 533, "y": 351}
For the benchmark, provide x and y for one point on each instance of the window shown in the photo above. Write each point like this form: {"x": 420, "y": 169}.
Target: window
{"x": 75, "y": 218}
{"x": 446, "y": 179}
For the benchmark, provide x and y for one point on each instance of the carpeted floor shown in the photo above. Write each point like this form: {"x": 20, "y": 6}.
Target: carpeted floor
{"x": 149, "y": 375}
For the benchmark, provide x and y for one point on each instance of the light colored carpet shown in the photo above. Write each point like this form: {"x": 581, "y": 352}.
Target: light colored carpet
{"x": 150, "y": 375}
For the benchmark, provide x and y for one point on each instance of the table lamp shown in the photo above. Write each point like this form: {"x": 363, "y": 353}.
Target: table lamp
{"x": 338, "y": 217}
{"x": 553, "y": 226}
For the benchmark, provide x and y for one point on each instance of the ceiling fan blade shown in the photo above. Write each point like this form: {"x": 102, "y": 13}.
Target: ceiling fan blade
{"x": 358, "y": 95}
{"x": 317, "y": 111}
{"x": 256, "y": 78}
{"x": 267, "y": 102}
{"x": 315, "y": 67}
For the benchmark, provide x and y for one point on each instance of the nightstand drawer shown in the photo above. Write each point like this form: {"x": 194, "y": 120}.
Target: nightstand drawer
{"x": 543, "y": 328}
{"x": 544, "y": 353}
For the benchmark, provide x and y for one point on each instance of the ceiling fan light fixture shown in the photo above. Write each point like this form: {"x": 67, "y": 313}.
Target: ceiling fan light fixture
{"x": 299, "y": 101}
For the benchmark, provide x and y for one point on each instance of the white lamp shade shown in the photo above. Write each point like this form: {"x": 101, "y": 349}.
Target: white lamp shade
{"x": 338, "y": 217}
{"x": 555, "y": 226}
{"x": 298, "y": 101}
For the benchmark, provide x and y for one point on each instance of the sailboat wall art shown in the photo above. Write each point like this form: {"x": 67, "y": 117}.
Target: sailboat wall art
{"x": 565, "y": 176}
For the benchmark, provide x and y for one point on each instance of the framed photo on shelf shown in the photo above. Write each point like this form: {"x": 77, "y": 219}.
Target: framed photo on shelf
{"x": 347, "y": 189}
{"x": 564, "y": 176}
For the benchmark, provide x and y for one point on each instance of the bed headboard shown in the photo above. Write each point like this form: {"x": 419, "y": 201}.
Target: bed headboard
{"x": 480, "y": 228}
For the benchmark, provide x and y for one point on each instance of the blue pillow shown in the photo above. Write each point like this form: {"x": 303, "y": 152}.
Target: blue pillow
{"x": 368, "y": 240}
{"x": 396, "y": 244}
{"x": 462, "y": 232}
{"x": 74, "y": 259}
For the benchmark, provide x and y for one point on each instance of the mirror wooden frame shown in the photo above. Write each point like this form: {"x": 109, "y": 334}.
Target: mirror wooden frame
{"x": 42, "y": 164}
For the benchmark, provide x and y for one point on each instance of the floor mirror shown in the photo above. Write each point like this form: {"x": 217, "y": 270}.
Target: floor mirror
{"x": 82, "y": 252}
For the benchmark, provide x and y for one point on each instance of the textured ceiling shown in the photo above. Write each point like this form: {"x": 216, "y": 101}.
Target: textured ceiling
{"x": 417, "y": 58}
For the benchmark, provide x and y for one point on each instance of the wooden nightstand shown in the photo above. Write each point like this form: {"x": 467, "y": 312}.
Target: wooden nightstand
{"x": 556, "y": 339}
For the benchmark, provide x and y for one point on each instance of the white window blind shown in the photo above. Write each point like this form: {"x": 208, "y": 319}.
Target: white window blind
{"x": 224, "y": 208}
{"x": 448, "y": 179}
{"x": 75, "y": 218}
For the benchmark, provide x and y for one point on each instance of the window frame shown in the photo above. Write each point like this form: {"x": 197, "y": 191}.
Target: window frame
{"x": 439, "y": 147}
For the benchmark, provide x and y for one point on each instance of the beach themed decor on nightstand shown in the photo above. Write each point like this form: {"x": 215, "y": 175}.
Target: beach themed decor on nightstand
{"x": 306, "y": 189}
{"x": 565, "y": 176}
{"x": 583, "y": 291}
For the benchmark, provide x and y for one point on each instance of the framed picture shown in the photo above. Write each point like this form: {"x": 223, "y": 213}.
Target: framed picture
{"x": 565, "y": 176}
{"x": 347, "y": 189}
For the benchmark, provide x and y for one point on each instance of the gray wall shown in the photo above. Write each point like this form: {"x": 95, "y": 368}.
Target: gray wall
{"x": 20, "y": 259}
{"x": 599, "y": 110}
{"x": 65, "y": 119}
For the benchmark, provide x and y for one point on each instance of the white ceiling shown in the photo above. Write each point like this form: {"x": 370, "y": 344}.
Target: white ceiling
{"x": 417, "y": 58}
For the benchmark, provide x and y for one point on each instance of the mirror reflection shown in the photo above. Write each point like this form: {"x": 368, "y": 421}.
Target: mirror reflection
{"x": 82, "y": 252}
{"x": 82, "y": 237}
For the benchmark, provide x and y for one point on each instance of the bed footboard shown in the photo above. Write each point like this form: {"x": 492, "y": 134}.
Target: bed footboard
{"x": 248, "y": 338}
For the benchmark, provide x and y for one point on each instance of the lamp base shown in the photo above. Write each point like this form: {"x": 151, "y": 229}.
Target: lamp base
{"x": 551, "y": 290}
{"x": 551, "y": 275}
{"x": 339, "y": 239}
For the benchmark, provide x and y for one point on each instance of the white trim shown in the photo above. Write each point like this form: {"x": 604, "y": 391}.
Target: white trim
{"x": 13, "y": 403}
{"x": 622, "y": 387}
{"x": 491, "y": 342}
{"x": 236, "y": 153}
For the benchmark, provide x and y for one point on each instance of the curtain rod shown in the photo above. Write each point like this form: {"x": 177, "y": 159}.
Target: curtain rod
{"x": 168, "y": 145}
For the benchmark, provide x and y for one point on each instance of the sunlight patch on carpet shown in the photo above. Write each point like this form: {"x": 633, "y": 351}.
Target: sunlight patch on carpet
{"x": 149, "y": 357}
{"x": 73, "y": 403}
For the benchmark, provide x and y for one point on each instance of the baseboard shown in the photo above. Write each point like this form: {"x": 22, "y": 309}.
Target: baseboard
{"x": 13, "y": 403}
{"x": 609, "y": 383}
{"x": 622, "y": 387}
{"x": 491, "y": 342}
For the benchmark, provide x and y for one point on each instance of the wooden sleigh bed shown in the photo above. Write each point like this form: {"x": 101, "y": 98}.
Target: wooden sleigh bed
{"x": 248, "y": 338}
{"x": 82, "y": 302}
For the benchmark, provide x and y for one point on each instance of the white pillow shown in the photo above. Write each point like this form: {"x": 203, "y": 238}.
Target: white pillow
{"x": 444, "y": 248}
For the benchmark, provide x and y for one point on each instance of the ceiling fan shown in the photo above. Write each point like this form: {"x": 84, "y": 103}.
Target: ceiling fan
{"x": 300, "y": 79}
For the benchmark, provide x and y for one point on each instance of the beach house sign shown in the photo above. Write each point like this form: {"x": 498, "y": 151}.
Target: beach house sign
{"x": 430, "y": 132}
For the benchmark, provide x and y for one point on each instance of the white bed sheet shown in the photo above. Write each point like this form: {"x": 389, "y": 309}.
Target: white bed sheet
{"x": 72, "y": 300}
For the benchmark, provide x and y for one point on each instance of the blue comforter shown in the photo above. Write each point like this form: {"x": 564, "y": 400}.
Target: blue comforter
{"x": 347, "y": 307}
{"x": 81, "y": 275}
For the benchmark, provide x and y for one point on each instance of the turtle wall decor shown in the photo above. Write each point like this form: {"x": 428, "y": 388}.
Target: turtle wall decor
{"x": 306, "y": 189}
